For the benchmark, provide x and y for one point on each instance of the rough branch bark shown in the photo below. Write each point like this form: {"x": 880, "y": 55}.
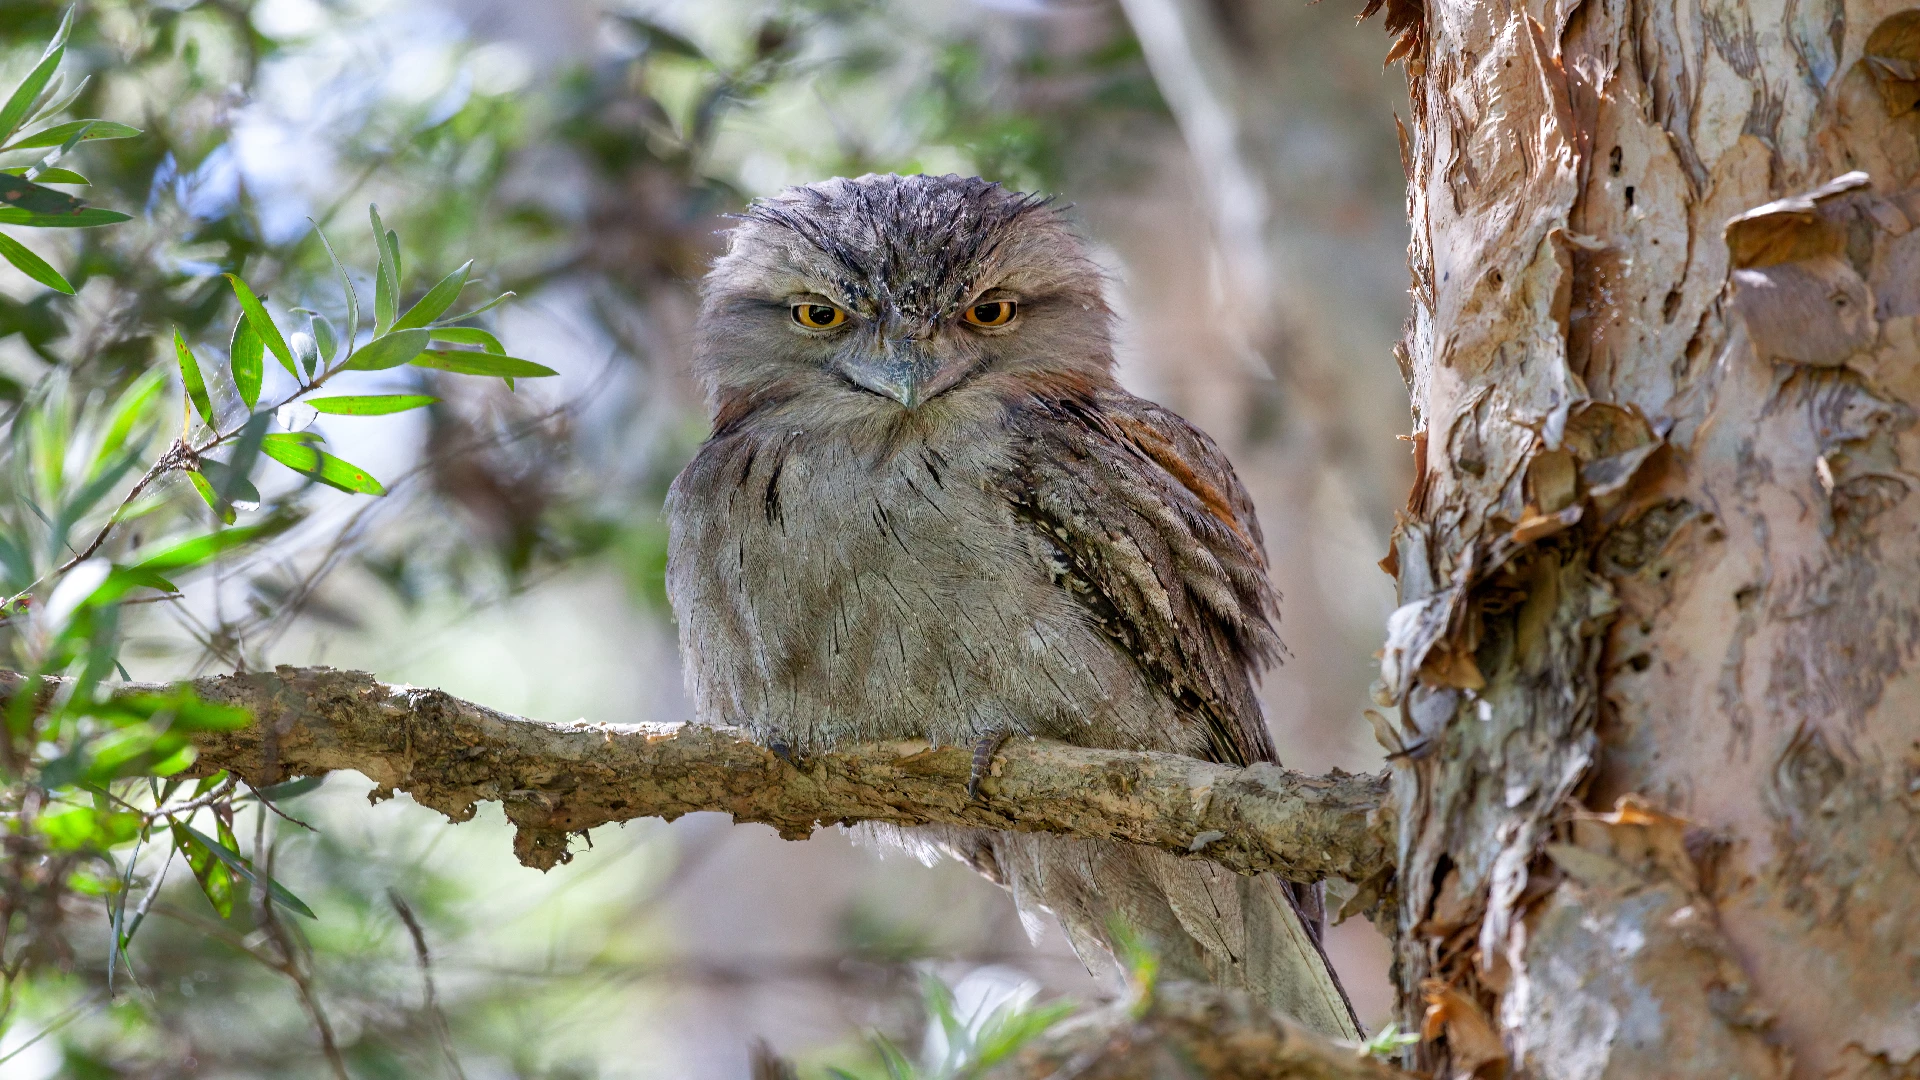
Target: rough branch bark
{"x": 560, "y": 779}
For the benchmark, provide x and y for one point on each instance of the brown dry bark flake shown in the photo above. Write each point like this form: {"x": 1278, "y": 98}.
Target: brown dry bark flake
{"x": 1660, "y": 562}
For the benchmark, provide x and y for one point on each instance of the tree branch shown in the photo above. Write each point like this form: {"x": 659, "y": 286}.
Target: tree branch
{"x": 1193, "y": 1031}
{"x": 559, "y": 779}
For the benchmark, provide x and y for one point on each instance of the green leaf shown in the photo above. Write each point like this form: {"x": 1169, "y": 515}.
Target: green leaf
{"x": 23, "y": 195}
{"x": 325, "y": 341}
{"x": 304, "y": 458}
{"x": 396, "y": 348}
{"x": 245, "y": 869}
{"x": 386, "y": 293}
{"x": 53, "y": 104}
{"x": 234, "y": 487}
{"x": 99, "y": 482}
{"x": 136, "y": 578}
{"x": 371, "y": 404}
{"x": 290, "y": 789}
{"x": 437, "y": 301}
{"x": 49, "y": 176}
{"x": 213, "y": 873}
{"x": 95, "y": 130}
{"x": 230, "y": 487}
{"x": 20, "y": 102}
{"x": 256, "y": 313}
{"x": 483, "y": 308}
{"x": 201, "y": 550}
{"x": 469, "y": 335}
{"x": 186, "y": 710}
{"x": 77, "y": 827}
{"x": 246, "y": 353}
{"x": 190, "y": 375}
{"x": 32, "y": 265}
{"x": 461, "y": 362}
{"x": 346, "y": 287}
{"x": 130, "y": 409}
{"x": 85, "y": 217}
{"x": 205, "y": 488}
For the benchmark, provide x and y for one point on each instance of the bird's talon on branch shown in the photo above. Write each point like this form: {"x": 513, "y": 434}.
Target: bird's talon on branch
{"x": 785, "y": 753}
{"x": 983, "y": 752}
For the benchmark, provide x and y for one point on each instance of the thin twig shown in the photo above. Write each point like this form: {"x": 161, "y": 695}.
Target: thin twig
{"x": 290, "y": 953}
{"x": 74, "y": 1012}
{"x": 435, "y": 1015}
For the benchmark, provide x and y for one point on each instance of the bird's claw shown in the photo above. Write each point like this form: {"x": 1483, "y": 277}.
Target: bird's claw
{"x": 983, "y": 752}
{"x": 785, "y": 753}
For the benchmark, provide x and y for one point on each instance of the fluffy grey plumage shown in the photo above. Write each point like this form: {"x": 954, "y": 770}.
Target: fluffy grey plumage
{"x": 914, "y": 521}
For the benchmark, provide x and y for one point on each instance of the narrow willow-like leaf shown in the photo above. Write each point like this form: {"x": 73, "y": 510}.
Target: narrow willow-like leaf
{"x": 386, "y": 291}
{"x": 20, "y": 102}
{"x": 392, "y": 350}
{"x": 202, "y": 485}
{"x": 85, "y": 217}
{"x": 200, "y": 550}
{"x": 246, "y": 451}
{"x": 482, "y": 309}
{"x": 462, "y": 362}
{"x": 396, "y": 348}
{"x": 247, "y": 353}
{"x": 256, "y": 313}
{"x": 346, "y": 288}
{"x": 325, "y": 340}
{"x": 24, "y": 196}
{"x": 32, "y": 265}
{"x": 88, "y": 130}
{"x": 49, "y": 176}
{"x": 190, "y": 375}
{"x": 240, "y": 866}
{"x": 128, "y": 410}
{"x": 469, "y": 335}
{"x": 213, "y": 874}
{"x": 231, "y": 490}
{"x": 303, "y": 457}
{"x": 437, "y": 301}
{"x": 99, "y": 483}
{"x": 370, "y": 404}
{"x": 53, "y": 104}
{"x": 60, "y": 151}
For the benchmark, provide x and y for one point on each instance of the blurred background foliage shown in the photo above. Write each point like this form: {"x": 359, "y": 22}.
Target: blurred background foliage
{"x": 585, "y": 154}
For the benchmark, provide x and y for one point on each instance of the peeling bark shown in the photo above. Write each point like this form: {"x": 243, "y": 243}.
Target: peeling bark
{"x": 556, "y": 780}
{"x": 1664, "y": 359}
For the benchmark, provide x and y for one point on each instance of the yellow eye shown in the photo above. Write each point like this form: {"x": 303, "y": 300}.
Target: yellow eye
{"x": 990, "y": 313}
{"x": 818, "y": 316}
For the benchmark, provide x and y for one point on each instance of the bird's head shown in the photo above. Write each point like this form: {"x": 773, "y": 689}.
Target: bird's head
{"x": 875, "y": 297}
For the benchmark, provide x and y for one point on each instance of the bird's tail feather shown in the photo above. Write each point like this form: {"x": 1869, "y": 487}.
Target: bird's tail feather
{"x": 1202, "y": 921}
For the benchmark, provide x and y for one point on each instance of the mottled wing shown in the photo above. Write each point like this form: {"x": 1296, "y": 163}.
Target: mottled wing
{"x": 1153, "y": 531}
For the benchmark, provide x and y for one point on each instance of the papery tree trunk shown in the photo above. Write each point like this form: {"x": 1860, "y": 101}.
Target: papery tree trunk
{"x": 1653, "y": 686}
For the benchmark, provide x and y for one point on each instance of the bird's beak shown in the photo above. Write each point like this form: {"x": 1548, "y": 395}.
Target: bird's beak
{"x": 904, "y": 369}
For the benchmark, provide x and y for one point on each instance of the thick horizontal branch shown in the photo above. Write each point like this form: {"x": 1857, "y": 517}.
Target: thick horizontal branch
{"x": 559, "y": 779}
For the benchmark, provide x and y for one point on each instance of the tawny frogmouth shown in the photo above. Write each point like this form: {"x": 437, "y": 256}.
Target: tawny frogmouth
{"x": 928, "y": 511}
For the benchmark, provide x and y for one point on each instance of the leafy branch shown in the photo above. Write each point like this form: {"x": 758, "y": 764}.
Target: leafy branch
{"x": 39, "y": 97}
